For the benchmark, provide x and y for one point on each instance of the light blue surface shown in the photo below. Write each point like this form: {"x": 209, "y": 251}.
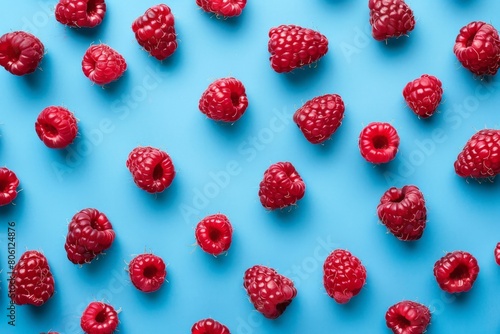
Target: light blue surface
{"x": 156, "y": 104}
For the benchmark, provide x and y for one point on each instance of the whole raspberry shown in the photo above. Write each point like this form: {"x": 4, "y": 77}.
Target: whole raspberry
{"x": 226, "y": 8}
{"x": 408, "y": 317}
{"x": 155, "y": 31}
{"x": 20, "y": 52}
{"x": 102, "y": 65}
{"x": 390, "y": 18}
{"x": 80, "y": 13}
{"x": 214, "y": 234}
{"x": 497, "y": 254}
{"x": 477, "y": 47}
{"x": 379, "y": 142}
{"x": 456, "y": 271}
{"x": 31, "y": 281}
{"x": 8, "y": 186}
{"x": 292, "y": 46}
{"x": 224, "y": 100}
{"x": 151, "y": 168}
{"x": 99, "y": 318}
{"x": 209, "y": 326}
{"x": 343, "y": 275}
{"x": 270, "y": 292}
{"x": 281, "y": 186}
{"x": 423, "y": 95}
{"x": 147, "y": 272}
{"x": 480, "y": 157}
{"x": 319, "y": 118}
{"x": 56, "y": 127}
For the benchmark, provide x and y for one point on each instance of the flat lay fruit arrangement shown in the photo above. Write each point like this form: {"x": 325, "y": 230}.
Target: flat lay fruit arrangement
{"x": 225, "y": 166}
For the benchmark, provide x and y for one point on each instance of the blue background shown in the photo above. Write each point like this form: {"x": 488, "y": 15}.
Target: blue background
{"x": 219, "y": 168}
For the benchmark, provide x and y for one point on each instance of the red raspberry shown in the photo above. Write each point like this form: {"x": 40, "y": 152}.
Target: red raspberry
{"x": 390, "y": 18}
{"x": 497, "y": 253}
{"x": 480, "y": 156}
{"x": 281, "y": 186}
{"x": 56, "y": 127}
{"x": 423, "y": 95}
{"x": 270, "y": 292}
{"x": 319, "y": 118}
{"x": 99, "y": 318}
{"x": 89, "y": 234}
{"x": 20, "y": 52}
{"x": 155, "y": 31}
{"x": 147, "y": 272}
{"x": 292, "y": 46}
{"x": 403, "y": 212}
{"x": 224, "y": 100}
{"x": 102, "y": 65}
{"x": 477, "y": 47}
{"x": 408, "y": 317}
{"x": 343, "y": 275}
{"x": 8, "y": 186}
{"x": 151, "y": 168}
{"x": 456, "y": 271}
{"x": 31, "y": 282}
{"x": 214, "y": 234}
{"x": 379, "y": 142}
{"x": 226, "y": 8}
{"x": 80, "y": 13}
{"x": 209, "y": 326}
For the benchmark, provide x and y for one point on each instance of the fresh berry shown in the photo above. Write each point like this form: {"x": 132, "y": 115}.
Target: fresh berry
{"x": 456, "y": 271}
{"x": 209, "y": 326}
{"x": 390, "y": 18}
{"x": 155, "y": 31}
{"x": 477, "y": 47}
{"x": 89, "y": 234}
{"x": 99, "y": 318}
{"x": 408, "y": 317}
{"x": 20, "y": 52}
{"x": 343, "y": 275}
{"x": 319, "y": 118}
{"x": 102, "y": 65}
{"x": 151, "y": 168}
{"x": 497, "y": 253}
{"x": 56, "y": 127}
{"x": 292, "y": 46}
{"x": 214, "y": 234}
{"x": 281, "y": 186}
{"x": 8, "y": 186}
{"x": 226, "y": 8}
{"x": 379, "y": 142}
{"x": 423, "y": 95}
{"x": 80, "y": 13}
{"x": 480, "y": 157}
{"x": 31, "y": 281}
{"x": 403, "y": 212}
{"x": 270, "y": 292}
{"x": 147, "y": 272}
{"x": 224, "y": 100}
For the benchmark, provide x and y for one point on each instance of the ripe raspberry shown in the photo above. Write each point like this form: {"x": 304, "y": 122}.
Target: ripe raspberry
{"x": 99, "y": 318}
{"x": 456, "y": 271}
{"x": 224, "y": 100}
{"x": 209, "y": 326}
{"x": 31, "y": 281}
{"x": 102, "y": 65}
{"x": 477, "y": 47}
{"x": 281, "y": 186}
{"x": 480, "y": 156}
{"x": 8, "y": 186}
{"x": 151, "y": 168}
{"x": 390, "y": 18}
{"x": 292, "y": 46}
{"x": 270, "y": 292}
{"x": 155, "y": 31}
{"x": 423, "y": 95}
{"x": 408, "y": 317}
{"x": 56, "y": 127}
{"x": 89, "y": 234}
{"x": 343, "y": 275}
{"x": 379, "y": 142}
{"x": 147, "y": 272}
{"x": 20, "y": 52}
{"x": 214, "y": 234}
{"x": 226, "y": 8}
{"x": 497, "y": 253}
{"x": 80, "y": 13}
{"x": 319, "y": 118}
{"x": 403, "y": 212}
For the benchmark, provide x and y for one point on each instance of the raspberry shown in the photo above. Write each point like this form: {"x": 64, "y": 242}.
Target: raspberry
{"x": 319, "y": 118}
{"x": 20, "y": 52}
{"x": 89, "y": 234}
{"x": 31, "y": 281}
{"x": 281, "y": 186}
{"x": 480, "y": 156}
{"x": 403, "y": 212}
{"x": 214, "y": 234}
{"x": 477, "y": 47}
{"x": 56, "y": 127}
{"x": 226, "y": 8}
{"x": 155, "y": 31}
{"x": 423, "y": 95}
{"x": 343, "y": 275}
{"x": 99, "y": 318}
{"x": 408, "y": 317}
{"x": 456, "y": 271}
{"x": 151, "y": 168}
{"x": 224, "y": 100}
{"x": 209, "y": 326}
{"x": 80, "y": 13}
{"x": 292, "y": 46}
{"x": 379, "y": 142}
{"x": 270, "y": 292}
{"x": 102, "y": 65}
{"x": 147, "y": 272}
{"x": 497, "y": 254}
{"x": 390, "y": 18}
{"x": 8, "y": 186}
